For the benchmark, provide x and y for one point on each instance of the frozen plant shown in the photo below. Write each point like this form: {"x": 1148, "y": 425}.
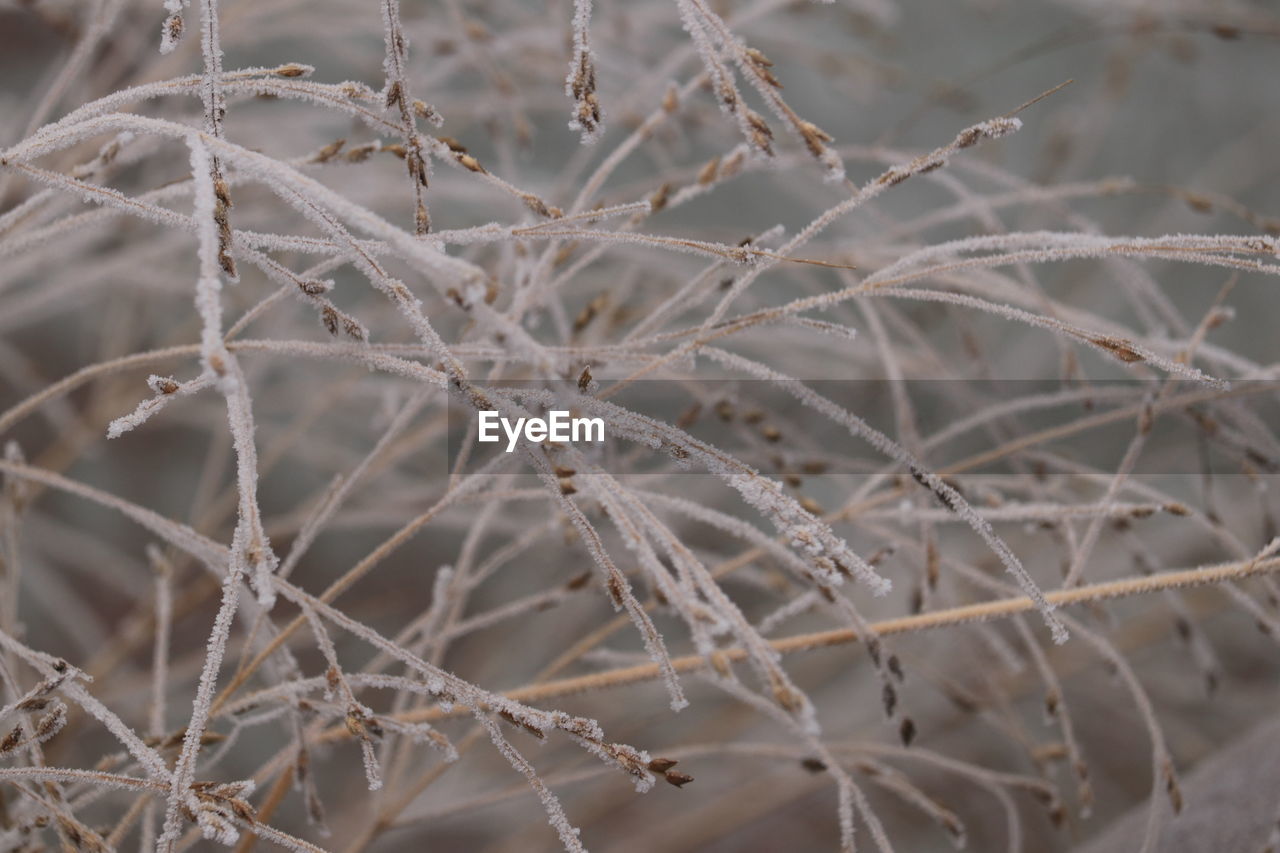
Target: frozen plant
{"x": 937, "y": 397}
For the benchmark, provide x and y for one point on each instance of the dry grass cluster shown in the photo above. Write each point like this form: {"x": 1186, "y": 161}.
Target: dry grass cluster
{"x": 939, "y": 449}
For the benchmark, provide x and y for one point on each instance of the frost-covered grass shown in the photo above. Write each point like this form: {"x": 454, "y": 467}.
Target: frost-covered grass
{"x": 259, "y": 586}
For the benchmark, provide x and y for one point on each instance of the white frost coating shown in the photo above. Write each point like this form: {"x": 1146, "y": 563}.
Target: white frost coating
{"x": 615, "y": 581}
{"x": 211, "y": 84}
{"x": 825, "y": 550}
{"x": 555, "y": 812}
{"x": 580, "y": 83}
{"x": 881, "y": 442}
{"x": 166, "y": 389}
{"x": 184, "y": 770}
{"x": 222, "y": 366}
{"x": 250, "y": 548}
{"x": 209, "y": 284}
{"x": 335, "y": 684}
{"x": 171, "y": 29}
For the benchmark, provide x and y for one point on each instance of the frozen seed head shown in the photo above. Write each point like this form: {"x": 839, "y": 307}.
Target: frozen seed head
{"x": 171, "y": 33}
{"x": 580, "y": 84}
{"x": 990, "y": 129}
{"x": 295, "y": 69}
{"x": 676, "y": 778}
{"x": 163, "y": 384}
{"x": 427, "y": 113}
